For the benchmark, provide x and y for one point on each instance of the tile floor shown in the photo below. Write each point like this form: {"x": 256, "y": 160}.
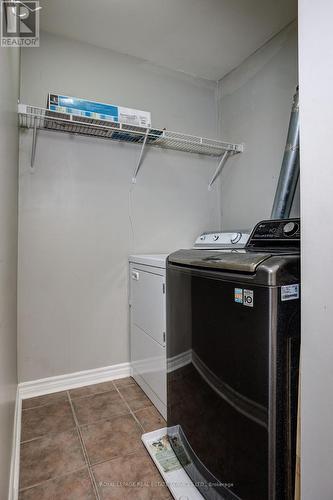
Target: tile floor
{"x": 85, "y": 444}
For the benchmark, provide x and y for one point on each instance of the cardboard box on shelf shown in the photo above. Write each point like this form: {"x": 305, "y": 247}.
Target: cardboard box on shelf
{"x": 98, "y": 110}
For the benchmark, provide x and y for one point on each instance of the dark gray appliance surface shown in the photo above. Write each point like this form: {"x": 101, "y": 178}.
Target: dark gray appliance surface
{"x": 252, "y": 267}
{"x": 233, "y": 366}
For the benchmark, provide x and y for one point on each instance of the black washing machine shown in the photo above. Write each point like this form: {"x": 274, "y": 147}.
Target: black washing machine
{"x": 233, "y": 343}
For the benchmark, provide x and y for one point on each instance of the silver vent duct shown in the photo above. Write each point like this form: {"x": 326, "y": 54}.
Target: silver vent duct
{"x": 289, "y": 174}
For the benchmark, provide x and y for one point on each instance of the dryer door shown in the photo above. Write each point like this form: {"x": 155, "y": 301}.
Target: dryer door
{"x": 148, "y": 303}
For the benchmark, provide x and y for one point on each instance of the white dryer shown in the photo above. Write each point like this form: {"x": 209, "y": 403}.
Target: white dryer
{"x": 148, "y": 313}
{"x": 147, "y": 326}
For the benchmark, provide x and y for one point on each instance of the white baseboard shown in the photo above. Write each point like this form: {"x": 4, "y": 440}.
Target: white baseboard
{"x": 15, "y": 459}
{"x": 47, "y": 386}
{"x": 73, "y": 380}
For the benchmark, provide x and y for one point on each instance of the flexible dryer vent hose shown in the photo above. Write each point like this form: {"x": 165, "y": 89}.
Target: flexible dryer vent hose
{"x": 289, "y": 174}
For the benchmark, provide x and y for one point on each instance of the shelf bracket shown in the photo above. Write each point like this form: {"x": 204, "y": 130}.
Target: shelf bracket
{"x": 34, "y": 143}
{"x": 220, "y": 166}
{"x": 140, "y": 156}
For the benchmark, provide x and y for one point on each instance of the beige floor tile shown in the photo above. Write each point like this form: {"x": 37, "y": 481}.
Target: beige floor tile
{"x": 150, "y": 419}
{"x": 88, "y": 390}
{"x": 44, "y": 400}
{"x": 134, "y": 477}
{"x": 112, "y": 438}
{"x": 123, "y": 382}
{"x": 43, "y": 420}
{"x": 74, "y": 486}
{"x": 135, "y": 397}
{"x": 49, "y": 457}
{"x": 99, "y": 407}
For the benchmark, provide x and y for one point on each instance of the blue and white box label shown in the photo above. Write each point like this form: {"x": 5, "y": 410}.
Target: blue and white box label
{"x": 98, "y": 110}
{"x": 290, "y": 292}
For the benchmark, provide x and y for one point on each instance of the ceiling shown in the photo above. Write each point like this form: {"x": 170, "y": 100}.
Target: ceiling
{"x": 203, "y": 38}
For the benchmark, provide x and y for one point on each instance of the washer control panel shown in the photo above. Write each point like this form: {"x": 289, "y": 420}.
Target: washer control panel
{"x": 222, "y": 239}
{"x": 282, "y": 232}
{"x": 290, "y": 228}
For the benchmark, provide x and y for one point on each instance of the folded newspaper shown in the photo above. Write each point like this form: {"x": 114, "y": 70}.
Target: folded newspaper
{"x": 165, "y": 455}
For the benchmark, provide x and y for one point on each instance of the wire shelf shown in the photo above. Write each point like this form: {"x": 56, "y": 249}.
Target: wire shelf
{"x": 43, "y": 119}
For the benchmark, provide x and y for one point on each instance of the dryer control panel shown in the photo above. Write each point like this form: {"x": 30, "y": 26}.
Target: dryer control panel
{"x": 222, "y": 239}
{"x": 276, "y": 233}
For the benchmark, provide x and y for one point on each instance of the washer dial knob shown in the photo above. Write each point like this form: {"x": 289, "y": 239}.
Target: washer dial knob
{"x": 235, "y": 238}
{"x": 290, "y": 228}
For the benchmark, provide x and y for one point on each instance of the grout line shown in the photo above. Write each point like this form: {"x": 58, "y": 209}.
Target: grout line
{"x": 78, "y": 430}
{"x": 48, "y": 434}
{"x": 78, "y": 397}
{"x": 97, "y": 393}
{"x": 129, "y": 384}
{"x": 111, "y": 417}
{"x": 118, "y": 457}
{"x": 105, "y": 419}
{"x": 93, "y": 394}
{"x": 94, "y": 483}
{"x": 84, "y": 449}
{"x": 45, "y": 404}
{"x": 54, "y": 478}
{"x": 130, "y": 409}
{"x": 41, "y": 406}
{"x": 34, "y": 439}
{"x": 75, "y": 398}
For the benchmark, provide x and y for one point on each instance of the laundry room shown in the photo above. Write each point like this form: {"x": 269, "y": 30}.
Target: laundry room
{"x": 164, "y": 165}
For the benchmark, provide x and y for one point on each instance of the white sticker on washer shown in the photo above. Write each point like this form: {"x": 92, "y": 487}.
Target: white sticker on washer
{"x": 248, "y": 298}
{"x": 290, "y": 292}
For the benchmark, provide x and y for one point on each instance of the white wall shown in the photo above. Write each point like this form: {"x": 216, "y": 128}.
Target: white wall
{"x": 254, "y": 105}
{"x": 79, "y": 214}
{"x": 9, "y": 83}
{"x": 316, "y": 83}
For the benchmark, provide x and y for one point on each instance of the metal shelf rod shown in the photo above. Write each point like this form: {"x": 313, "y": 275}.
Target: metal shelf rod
{"x": 219, "y": 168}
{"x": 43, "y": 119}
{"x": 140, "y": 157}
{"x": 34, "y": 144}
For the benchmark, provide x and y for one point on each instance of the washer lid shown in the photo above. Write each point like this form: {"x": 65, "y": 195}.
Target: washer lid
{"x": 236, "y": 260}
